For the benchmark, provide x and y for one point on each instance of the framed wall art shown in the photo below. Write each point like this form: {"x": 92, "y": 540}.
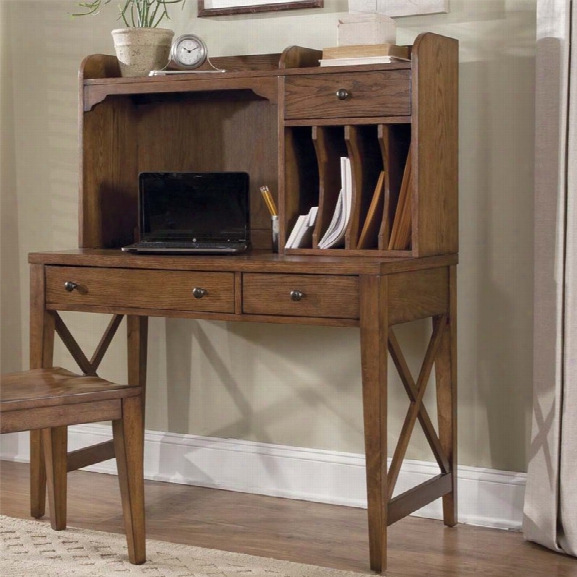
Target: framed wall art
{"x": 228, "y": 7}
{"x": 398, "y": 7}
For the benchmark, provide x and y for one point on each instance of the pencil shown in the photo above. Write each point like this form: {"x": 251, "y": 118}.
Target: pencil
{"x": 269, "y": 201}
{"x": 267, "y": 197}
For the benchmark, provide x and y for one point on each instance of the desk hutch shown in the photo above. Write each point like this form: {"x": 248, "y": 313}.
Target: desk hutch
{"x": 286, "y": 121}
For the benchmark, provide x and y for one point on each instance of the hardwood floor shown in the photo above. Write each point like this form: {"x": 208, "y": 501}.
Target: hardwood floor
{"x": 300, "y": 531}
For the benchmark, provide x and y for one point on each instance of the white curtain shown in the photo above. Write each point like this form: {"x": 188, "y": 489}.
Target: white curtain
{"x": 551, "y": 496}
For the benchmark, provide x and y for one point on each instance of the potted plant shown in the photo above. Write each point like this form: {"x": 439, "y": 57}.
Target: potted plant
{"x": 141, "y": 46}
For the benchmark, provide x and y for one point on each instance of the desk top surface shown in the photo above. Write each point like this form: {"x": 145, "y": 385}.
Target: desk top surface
{"x": 253, "y": 261}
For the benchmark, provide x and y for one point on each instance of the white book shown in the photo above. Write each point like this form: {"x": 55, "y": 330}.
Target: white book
{"x": 313, "y": 215}
{"x": 304, "y": 235}
{"x": 335, "y": 234}
{"x": 356, "y": 61}
{"x": 301, "y": 220}
{"x": 302, "y": 231}
{"x": 330, "y": 232}
{"x": 348, "y": 189}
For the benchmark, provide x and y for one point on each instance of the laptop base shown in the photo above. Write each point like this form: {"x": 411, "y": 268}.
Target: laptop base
{"x": 183, "y": 248}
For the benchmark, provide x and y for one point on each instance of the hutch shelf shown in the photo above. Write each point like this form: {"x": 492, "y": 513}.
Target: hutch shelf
{"x": 287, "y": 122}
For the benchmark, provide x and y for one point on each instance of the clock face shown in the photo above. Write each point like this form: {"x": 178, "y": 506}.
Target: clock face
{"x": 188, "y": 51}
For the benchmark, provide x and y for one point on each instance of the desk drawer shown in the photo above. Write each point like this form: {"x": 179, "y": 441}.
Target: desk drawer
{"x": 382, "y": 93}
{"x": 322, "y": 295}
{"x": 141, "y": 288}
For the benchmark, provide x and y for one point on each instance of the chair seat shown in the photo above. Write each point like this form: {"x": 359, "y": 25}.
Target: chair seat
{"x": 47, "y": 401}
{"x": 50, "y": 387}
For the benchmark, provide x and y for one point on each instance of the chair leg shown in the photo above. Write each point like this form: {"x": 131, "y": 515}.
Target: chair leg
{"x": 128, "y": 435}
{"x": 55, "y": 442}
{"x": 37, "y": 476}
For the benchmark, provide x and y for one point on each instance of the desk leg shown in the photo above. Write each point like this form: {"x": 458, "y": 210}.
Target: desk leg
{"x": 41, "y": 356}
{"x": 446, "y": 377}
{"x": 374, "y": 340}
{"x": 137, "y": 328}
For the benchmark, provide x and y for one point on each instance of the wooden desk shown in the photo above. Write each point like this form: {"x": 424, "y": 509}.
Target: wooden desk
{"x": 287, "y": 122}
{"x": 373, "y": 294}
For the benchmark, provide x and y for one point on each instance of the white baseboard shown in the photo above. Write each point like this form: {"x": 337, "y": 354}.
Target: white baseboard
{"x": 486, "y": 497}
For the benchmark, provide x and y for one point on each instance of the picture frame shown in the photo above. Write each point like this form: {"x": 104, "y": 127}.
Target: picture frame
{"x": 394, "y": 8}
{"x": 230, "y": 7}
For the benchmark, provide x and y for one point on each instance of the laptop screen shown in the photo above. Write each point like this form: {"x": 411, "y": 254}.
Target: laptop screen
{"x": 198, "y": 206}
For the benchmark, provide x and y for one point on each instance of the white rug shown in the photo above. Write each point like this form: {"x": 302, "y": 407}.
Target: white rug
{"x": 32, "y": 549}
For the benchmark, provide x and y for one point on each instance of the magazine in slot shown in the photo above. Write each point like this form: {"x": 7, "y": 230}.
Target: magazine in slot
{"x": 301, "y": 183}
{"x": 329, "y": 148}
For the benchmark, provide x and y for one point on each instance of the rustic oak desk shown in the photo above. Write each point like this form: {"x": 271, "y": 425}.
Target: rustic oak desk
{"x": 286, "y": 122}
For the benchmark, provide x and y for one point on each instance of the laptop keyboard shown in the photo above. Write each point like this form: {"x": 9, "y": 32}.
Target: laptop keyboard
{"x": 177, "y": 245}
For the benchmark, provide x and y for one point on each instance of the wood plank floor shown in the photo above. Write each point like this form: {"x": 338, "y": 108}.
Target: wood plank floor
{"x": 312, "y": 533}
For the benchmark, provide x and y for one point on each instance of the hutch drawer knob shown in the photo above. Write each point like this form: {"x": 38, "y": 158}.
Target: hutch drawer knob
{"x": 343, "y": 94}
{"x": 297, "y": 295}
{"x": 198, "y": 293}
{"x": 70, "y": 286}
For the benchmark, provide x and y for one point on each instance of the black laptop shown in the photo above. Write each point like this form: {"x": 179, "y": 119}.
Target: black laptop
{"x": 193, "y": 213}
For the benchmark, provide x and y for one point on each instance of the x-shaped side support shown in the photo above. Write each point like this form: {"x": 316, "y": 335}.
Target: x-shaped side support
{"x": 416, "y": 410}
{"x": 88, "y": 367}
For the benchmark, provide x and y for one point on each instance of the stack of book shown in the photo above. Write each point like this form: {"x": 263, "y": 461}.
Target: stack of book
{"x": 364, "y": 54}
{"x": 302, "y": 231}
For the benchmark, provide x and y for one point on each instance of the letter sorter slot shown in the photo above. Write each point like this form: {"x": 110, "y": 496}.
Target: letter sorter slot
{"x": 301, "y": 179}
{"x": 348, "y": 189}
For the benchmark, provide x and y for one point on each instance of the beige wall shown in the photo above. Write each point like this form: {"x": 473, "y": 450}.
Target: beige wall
{"x": 10, "y": 298}
{"x": 294, "y": 385}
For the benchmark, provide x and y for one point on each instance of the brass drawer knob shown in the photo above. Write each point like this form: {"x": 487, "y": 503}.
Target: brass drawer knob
{"x": 70, "y": 286}
{"x": 297, "y": 295}
{"x": 198, "y": 293}
{"x": 343, "y": 94}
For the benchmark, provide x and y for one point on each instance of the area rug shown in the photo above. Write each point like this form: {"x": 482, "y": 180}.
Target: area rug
{"x": 32, "y": 549}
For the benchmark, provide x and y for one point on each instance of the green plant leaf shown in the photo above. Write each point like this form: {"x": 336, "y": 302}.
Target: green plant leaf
{"x": 134, "y": 13}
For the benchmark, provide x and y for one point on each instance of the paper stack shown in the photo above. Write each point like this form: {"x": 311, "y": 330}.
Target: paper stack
{"x": 335, "y": 235}
{"x": 302, "y": 231}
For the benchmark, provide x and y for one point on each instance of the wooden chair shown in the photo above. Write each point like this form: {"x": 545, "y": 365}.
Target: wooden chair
{"x": 52, "y": 399}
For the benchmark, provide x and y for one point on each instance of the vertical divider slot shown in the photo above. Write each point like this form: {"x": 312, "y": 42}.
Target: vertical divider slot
{"x": 366, "y": 160}
{"x": 301, "y": 177}
{"x": 330, "y": 146}
{"x": 394, "y": 140}
{"x": 401, "y": 232}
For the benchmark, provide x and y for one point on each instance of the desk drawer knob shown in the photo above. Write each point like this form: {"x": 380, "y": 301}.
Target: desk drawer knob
{"x": 297, "y": 295}
{"x": 70, "y": 286}
{"x": 198, "y": 293}
{"x": 343, "y": 94}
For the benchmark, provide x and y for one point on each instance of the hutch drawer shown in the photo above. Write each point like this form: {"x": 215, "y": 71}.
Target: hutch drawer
{"x": 348, "y": 94}
{"x": 141, "y": 289}
{"x": 301, "y": 295}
